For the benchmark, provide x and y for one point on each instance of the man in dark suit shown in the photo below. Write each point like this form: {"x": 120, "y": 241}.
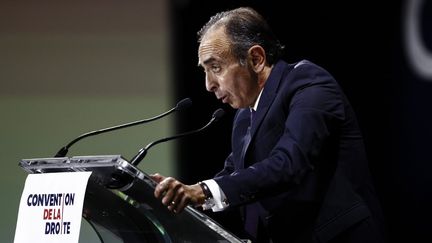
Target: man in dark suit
{"x": 298, "y": 169}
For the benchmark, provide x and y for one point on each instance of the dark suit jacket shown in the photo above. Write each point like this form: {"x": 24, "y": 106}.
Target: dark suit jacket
{"x": 305, "y": 166}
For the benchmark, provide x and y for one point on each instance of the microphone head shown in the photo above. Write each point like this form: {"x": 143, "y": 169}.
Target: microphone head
{"x": 183, "y": 104}
{"x": 218, "y": 114}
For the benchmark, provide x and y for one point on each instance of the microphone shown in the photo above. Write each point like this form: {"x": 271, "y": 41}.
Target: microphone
{"x": 143, "y": 152}
{"x": 181, "y": 105}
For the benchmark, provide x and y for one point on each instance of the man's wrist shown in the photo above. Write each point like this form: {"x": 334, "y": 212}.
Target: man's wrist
{"x": 208, "y": 196}
{"x": 218, "y": 200}
{"x": 206, "y": 190}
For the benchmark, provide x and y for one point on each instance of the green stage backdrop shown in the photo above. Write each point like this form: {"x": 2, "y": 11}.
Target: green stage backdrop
{"x": 67, "y": 68}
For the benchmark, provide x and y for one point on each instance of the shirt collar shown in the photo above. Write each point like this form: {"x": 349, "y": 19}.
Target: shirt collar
{"x": 255, "y": 106}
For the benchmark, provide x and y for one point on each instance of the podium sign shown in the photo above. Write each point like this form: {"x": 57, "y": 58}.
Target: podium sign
{"x": 119, "y": 205}
{"x": 51, "y": 207}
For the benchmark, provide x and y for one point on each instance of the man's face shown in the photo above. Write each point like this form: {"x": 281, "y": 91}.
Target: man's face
{"x": 232, "y": 82}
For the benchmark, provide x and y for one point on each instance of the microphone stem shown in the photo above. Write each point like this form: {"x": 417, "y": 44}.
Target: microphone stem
{"x": 63, "y": 151}
{"x": 143, "y": 152}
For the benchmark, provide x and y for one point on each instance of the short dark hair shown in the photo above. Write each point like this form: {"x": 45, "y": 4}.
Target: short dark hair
{"x": 246, "y": 27}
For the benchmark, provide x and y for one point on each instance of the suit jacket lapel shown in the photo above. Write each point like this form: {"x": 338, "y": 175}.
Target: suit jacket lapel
{"x": 269, "y": 94}
{"x": 267, "y": 97}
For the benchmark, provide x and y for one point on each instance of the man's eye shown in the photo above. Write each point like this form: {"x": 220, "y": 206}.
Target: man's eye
{"x": 215, "y": 69}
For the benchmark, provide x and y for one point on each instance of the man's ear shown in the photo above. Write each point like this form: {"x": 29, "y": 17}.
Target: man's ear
{"x": 258, "y": 58}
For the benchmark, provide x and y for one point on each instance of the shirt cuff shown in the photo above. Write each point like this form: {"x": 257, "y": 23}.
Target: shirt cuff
{"x": 219, "y": 198}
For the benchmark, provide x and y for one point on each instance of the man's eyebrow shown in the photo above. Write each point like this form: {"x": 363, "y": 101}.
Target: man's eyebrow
{"x": 207, "y": 61}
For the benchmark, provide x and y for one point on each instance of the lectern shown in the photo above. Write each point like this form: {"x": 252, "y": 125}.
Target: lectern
{"x": 120, "y": 207}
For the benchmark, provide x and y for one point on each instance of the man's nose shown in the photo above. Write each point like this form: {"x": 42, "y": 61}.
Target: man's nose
{"x": 211, "y": 85}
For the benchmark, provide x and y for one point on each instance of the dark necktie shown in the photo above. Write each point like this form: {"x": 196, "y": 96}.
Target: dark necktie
{"x": 252, "y": 114}
{"x": 247, "y": 137}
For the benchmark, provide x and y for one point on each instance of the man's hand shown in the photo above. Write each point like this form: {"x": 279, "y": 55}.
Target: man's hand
{"x": 176, "y": 195}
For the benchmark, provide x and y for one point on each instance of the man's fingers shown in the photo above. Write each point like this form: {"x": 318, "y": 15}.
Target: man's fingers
{"x": 166, "y": 190}
{"x": 168, "y": 197}
{"x": 161, "y": 188}
{"x": 173, "y": 194}
{"x": 157, "y": 177}
{"x": 181, "y": 204}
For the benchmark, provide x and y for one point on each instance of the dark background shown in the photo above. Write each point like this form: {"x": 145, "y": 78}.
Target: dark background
{"x": 362, "y": 44}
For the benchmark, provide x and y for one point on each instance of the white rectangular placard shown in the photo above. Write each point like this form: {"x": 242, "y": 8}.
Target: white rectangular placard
{"x": 51, "y": 207}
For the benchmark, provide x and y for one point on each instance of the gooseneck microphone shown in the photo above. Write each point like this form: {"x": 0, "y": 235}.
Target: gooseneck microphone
{"x": 143, "y": 152}
{"x": 185, "y": 103}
